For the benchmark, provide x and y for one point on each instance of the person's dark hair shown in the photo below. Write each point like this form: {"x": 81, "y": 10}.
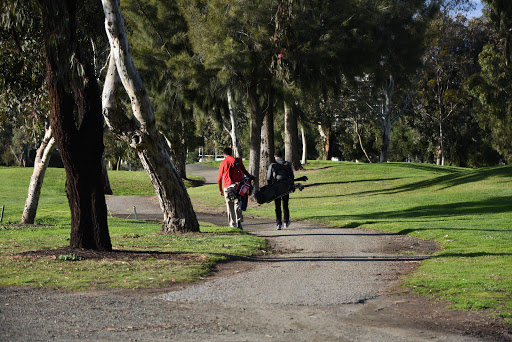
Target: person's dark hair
{"x": 228, "y": 151}
{"x": 278, "y": 153}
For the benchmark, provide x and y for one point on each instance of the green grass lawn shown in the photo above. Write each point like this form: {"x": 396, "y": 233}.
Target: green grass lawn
{"x": 185, "y": 257}
{"x": 468, "y": 211}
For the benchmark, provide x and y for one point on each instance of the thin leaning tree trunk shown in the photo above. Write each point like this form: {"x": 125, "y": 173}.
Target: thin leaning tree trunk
{"x": 235, "y": 141}
{"x": 304, "y": 145}
{"x": 36, "y": 181}
{"x": 140, "y": 131}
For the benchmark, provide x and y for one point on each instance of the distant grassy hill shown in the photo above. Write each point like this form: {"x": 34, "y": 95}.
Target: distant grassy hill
{"x": 468, "y": 211}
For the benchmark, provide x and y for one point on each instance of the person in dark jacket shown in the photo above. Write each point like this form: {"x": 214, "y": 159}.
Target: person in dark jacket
{"x": 281, "y": 171}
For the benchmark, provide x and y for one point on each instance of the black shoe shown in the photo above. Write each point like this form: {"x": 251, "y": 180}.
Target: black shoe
{"x": 240, "y": 225}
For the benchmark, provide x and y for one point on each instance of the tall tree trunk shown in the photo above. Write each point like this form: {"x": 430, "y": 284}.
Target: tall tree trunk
{"x": 255, "y": 144}
{"x": 233, "y": 132}
{"x": 291, "y": 135}
{"x": 325, "y": 133}
{"x": 104, "y": 171}
{"x": 356, "y": 129}
{"x": 267, "y": 141}
{"x": 441, "y": 150}
{"x": 140, "y": 131}
{"x": 36, "y": 181}
{"x": 304, "y": 145}
{"x": 386, "y": 121}
{"x": 386, "y": 138}
{"x": 80, "y": 140}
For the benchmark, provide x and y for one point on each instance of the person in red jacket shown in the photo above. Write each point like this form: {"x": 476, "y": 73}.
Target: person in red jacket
{"x": 231, "y": 170}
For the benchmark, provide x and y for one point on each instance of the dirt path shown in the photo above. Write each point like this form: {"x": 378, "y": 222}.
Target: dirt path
{"x": 325, "y": 284}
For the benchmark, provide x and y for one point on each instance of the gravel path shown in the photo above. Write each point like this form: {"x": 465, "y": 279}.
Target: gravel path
{"x": 324, "y": 284}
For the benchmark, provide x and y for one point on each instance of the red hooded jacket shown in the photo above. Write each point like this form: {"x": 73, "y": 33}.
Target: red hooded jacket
{"x": 234, "y": 174}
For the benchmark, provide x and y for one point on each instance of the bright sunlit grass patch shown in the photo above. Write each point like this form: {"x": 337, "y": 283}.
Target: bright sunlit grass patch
{"x": 469, "y": 211}
{"x": 142, "y": 257}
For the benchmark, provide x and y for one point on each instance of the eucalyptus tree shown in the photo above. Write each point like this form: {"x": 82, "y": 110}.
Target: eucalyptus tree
{"x": 233, "y": 39}
{"x": 493, "y": 93}
{"x": 23, "y": 95}
{"x": 139, "y": 129}
{"x": 24, "y": 88}
{"x": 309, "y": 37}
{"x": 163, "y": 57}
{"x": 399, "y": 33}
{"x": 499, "y": 13}
{"x": 441, "y": 97}
{"x": 77, "y": 124}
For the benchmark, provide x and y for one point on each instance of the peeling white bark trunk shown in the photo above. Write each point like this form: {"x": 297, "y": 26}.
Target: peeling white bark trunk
{"x": 140, "y": 131}
{"x": 235, "y": 141}
{"x": 36, "y": 182}
{"x": 304, "y": 145}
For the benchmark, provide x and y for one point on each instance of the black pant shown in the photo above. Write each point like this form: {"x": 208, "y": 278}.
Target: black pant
{"x": 277, "y": 202}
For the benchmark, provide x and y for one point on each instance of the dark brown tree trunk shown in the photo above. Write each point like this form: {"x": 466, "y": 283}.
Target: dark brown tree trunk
{"x": 104, "y": 171}
{"x": 77, "y": 124}
{"x": 327, "y": 137}
{"x": 267, "y": 141}
{"x": 291, "y": 135}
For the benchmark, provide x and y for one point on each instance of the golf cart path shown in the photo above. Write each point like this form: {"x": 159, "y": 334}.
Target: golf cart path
{"x": 343, "y": 272}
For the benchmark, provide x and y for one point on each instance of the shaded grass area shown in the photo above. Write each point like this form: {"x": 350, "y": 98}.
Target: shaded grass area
{"x": 38, "y": 255}
{"x": 469, "y": 211}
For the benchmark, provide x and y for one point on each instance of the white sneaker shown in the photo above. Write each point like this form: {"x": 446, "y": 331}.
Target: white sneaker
{"x": 278, "y": 227}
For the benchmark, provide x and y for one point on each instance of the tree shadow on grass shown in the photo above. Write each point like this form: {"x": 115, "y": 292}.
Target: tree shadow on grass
{"x": 352, "y": 181}
{"x": 429, "y": 167}
{"x": 371, "y": 258}
{"x": 470, "y": 255}
{"x": 454, "y": 178}
{"x": 493, "y": 205}
{"x": 326, "y": 234}
{"x": 412, "y": 230}
{"x": 451, "y": 178}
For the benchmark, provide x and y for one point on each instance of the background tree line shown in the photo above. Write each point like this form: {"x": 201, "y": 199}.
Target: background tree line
{"x": 353, "y": 80}
{"x": 346, "y": 68}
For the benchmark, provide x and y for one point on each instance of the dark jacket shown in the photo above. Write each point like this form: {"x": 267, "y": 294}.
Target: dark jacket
{"x": 279, "y": 170}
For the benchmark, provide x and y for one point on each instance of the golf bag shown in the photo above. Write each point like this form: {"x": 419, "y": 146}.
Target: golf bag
{"x": 270, "y": 192}
{"x": 240, "y": 189}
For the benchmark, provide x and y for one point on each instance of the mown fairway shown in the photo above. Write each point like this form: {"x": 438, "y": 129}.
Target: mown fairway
{"x": 155, "y": 261}
{"x": 468, "y": 211}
